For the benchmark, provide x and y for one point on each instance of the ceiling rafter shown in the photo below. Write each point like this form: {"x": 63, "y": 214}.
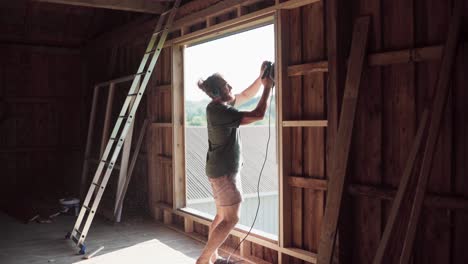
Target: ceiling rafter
{"x": 144, "y": 6}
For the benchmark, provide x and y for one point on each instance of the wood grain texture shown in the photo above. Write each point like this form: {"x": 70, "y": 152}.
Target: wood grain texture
{"x": 338, "y": 166}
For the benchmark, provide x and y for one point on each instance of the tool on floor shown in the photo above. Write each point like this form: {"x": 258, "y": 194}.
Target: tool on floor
{"x": 119, "y": 133}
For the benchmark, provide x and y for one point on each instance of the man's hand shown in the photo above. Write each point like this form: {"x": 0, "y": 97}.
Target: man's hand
{"x": 267, "y": 82}
{"x": 263, "y": 67}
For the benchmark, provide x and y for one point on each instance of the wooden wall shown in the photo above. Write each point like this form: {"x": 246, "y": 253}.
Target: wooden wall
{"x": 391, "y": 102}
{"x": 104, "y": 63}
{"x": 303, "y": 148}
{"x": 42, "y": 132}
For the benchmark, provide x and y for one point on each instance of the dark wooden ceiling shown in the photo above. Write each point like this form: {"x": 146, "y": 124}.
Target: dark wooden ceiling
{"x": 47, "y": 24}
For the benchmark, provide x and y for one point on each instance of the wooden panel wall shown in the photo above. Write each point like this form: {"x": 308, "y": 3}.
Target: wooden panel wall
{"x": 391, "y": 102}
{"x": 42, "y": 131}
{"x": 304, "y": 98}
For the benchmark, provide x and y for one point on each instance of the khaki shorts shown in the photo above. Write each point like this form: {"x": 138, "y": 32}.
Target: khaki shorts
{"x": 227, "y": 190}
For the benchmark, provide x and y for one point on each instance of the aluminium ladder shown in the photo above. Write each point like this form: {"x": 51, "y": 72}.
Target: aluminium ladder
{"x": 119, "y": 133}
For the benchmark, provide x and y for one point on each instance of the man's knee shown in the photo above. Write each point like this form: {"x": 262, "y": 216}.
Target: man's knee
{"x": 231, "y": 219}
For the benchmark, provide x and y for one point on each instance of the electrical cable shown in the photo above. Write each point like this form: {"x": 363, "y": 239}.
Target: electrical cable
{"x": 258, "y": 183}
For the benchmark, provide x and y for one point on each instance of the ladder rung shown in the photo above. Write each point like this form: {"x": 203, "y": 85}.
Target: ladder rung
{"x": 77, "y": 231}
{"x": 87, "y": 208}
{"x": 74, "y": 239}
{"x": 152, "y": 51}
{"x": 133, "y": 94}
{"x": 141, "y": 73}
{"x": 95, "y": 184}
{"x": 126, "y": 116}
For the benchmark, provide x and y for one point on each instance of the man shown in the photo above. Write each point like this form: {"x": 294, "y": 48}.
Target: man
{"x": 223, "y": 159}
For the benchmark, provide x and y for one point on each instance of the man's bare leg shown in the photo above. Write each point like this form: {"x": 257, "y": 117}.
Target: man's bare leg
{"x": 213, "y": 225}
{"x": 229, "y": 216}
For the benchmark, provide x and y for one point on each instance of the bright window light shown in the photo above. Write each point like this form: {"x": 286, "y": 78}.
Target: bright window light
{"x": 238, "y": 58}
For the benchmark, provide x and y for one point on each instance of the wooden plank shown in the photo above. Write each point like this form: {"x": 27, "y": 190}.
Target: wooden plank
{"x": 338, "y": 164}
{"x": 117, "y": 80}
{"x": 161, "y": 125}
{"x": 430, "y": 53}
{"x": 246, "y": 249}
{"x": 167, "y": 216}
{"x": 423, "y": 54}
{"x": 442, "y": 89}
{"x": 132, "y": 165}
{"x": 123, "y": 174}
{"x": 301, "y": 254}
{"x": 188, "y": 225}
{"x": 281, "y": 41}
{"x": 308, "y": 183}
{"x": 107, "y": 118}
{"x": 152, "y": 7}
{"x": 89, "y": 140}
{"x": 305, "y": 123}
{"x": 178, "y": 129}
{"x": 379, "y": 256}
{"x": 308, "y": 68}
{"x": 432, "y": 200}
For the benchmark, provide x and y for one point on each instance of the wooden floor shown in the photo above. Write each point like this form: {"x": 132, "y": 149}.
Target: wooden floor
{"x": 134, "y": 241}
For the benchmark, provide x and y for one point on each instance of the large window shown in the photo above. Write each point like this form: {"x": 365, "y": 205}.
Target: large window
{"x": 238, "y": 58}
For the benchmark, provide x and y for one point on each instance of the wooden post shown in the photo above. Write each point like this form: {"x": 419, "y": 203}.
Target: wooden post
{"x": 178, "y": 158}
{"x": 338, "y": 164}
{"x": 442, "y": 89}
{"x": 107, "y": 118}
{"x": 132, "y": 166}
{"x": 281, "y": 29}
{"x": 89, "y": 140}
{"x": 123, "y": 174}
{"x": 188, "y": 225}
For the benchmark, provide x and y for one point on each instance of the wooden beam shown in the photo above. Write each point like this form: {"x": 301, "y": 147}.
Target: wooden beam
{"x": 308, "y": 183}
{"x": 121, "y": 198}
{"x": 442, "y": 89}
{"x": 432, "y": 200}
{"x": 302, "y": 69}
{"x": 405, "y": 56}
{"x": 430, "y": 53}
{"x": 282, "y": 50}
{"x": 305, "y": 123}
{"x": 123, "y": 174}
{"x": 159, "y": 124}
{"x": 144, "y": 6}
{"x": 338, "y": 164}
{"x": 107, "y": 118}
{"x": 178, "y": 128}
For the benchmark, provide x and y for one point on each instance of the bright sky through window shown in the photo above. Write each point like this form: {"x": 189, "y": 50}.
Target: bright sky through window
{"x": 238, "y": 58}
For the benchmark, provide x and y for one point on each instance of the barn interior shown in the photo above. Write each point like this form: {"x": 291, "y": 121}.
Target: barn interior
{"x": 364, "y": 141}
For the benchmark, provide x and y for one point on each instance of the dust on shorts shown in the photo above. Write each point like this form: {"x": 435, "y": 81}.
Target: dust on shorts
{"x": 227, "y": 189}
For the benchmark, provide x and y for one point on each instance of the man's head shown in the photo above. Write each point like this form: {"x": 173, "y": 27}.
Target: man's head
{"x": 217, "y": 88}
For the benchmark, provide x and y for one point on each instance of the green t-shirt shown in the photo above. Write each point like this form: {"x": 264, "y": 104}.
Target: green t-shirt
{"x": 224, "y": 148}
